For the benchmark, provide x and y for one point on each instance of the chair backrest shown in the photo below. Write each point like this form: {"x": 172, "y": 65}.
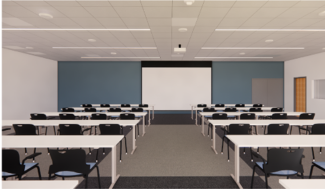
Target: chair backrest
{"x": 284, "y": 159}
{"x": 201, "y": 105}
{"x": 257, "y": 105}
{"x": 277, "y": 129}
{"x": 231, "y": 110}
{"x": 255, "y": 110}
{"x": 239, "y": 105}
{"x": 143, "y": 105}
{"x": 219, "y": 116}
{"x": 105, "y": 105}
{"x": 318, "y": 129}
{"x": 137, "y": 110}
{"x": 239, "y": 129}
{"x": 90, "y": 109}
{"x": 115, "y": 110}
{"x": 11, "y": 162}
{"x": 67, "y": 117}
{"x": 279, "y": 116}
{"x": 276, "y": 109}
{"x": 24, "y": 129}
{"x": 125, "y": 105}
{"x": 110, "y": 129}
{"x": 67, "y": 110}
{"x": 307, "y": 116}
{"x": 69, "y": 160}
{"x": 38, "y": 117}
{"x": 70, "y": 129}
{"x": 219, "y": 105}
{"x": 247, "y": 116}
{"x": 209, "y": 110}
{"x": 87, "y": 105}
{"x": 98, "y": 116}
{"x": 127, "y": 116}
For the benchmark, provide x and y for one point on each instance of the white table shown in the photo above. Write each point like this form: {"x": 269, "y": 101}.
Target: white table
{"x": 257, "y": 114}
{"x": 238, "y": 108}
{"x": 303, "y": 183}
{"x": 88, "y": 114}
{"x": 123, "y": 123}
{"x": 271, "y": 141}
{"x": 41, "y": 184}
{"x": 260, "y": 122}
{"x": 107, "y": 108}
{"x": 57, "y": 141}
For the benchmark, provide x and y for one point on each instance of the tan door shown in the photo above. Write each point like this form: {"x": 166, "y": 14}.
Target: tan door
{"x": 300, "y": 94}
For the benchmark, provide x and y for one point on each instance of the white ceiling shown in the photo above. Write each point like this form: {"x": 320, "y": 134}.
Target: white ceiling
{"x": 164, "y": 18}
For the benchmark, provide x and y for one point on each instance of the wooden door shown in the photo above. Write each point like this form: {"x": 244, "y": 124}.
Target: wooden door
{"x": 300, "y": 94}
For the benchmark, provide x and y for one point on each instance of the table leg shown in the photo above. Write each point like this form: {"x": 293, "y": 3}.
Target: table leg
{"x": 237, "y": 166}
{"x": 133, "y": 140}
{"x": 143, "y": 129}
{"x": 214, "y": 139}
{"x": 202, "y": 125}
{"x": 114, "y": 176}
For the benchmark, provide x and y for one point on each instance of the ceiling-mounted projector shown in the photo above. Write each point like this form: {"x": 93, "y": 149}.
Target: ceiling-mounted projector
{"x": 179, "y": 49}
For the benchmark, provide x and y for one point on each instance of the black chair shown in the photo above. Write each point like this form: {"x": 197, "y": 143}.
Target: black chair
{"x": 279, "y": 116}
{"x": 125, "y": 105}
{"x": 219, "y": 105}
{"x": 257, "y": 105}
{"x": 214, "y": 117}
{"x": 11, "y": 165}
{"x": 67, "y": 110}
{"x": 320, "y": 165}
{"x": 235, "y": 129}
{"x": 35, "y": 116}
{"x": 139, "y": 117}
{"x": 230, "y": 110}
{"x": 87, "y": 105}
{"x": 277, "y": 129}
{"x": 105, "y": 105}
{"x": 72, "y": 129}
{"x": 112, "y": 129}
{"x": 280, "y": 162}
{"x": 249, "y": 116}
{"x": 317, "y": 129}
{"x": 6, "y": 129}
{"x": 239, "y": 105}
{"x": 304, "y": 116}
{"x": 115, "y": 110}
{"x": 143, "y": 106}
{"x": 67, "y": 117}
{"x": 98, "y": 116}
{"x": 26, "y": 129}
{"x": 276, "y": 109}
{"x": 90, "y": 109}
{"x": 209, "y": 110}
{"x": 201, "y": 105}
{"x": 71, "y": 163}
{"x": 255, "y": 110}
{"x": 129, "y": 116}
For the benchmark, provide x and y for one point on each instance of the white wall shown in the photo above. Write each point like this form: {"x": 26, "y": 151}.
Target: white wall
{"x": 312, "y": 67}
{"x": 29, "y": 85}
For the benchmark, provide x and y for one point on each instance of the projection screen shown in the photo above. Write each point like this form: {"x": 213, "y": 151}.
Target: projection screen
{"x": 175, "y": 88}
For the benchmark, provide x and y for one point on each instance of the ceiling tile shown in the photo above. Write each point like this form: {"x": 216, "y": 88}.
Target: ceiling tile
{"x": 94, "y": 3}
{"x": 158, "y": 12}
{"x": 208, "y": 22}
{"x": 50, "y": 10}
{"x": 209, "y": 12}
{"x": 64, "y": 22}
{"x": 219, "y": 4}
{"x": 248, "y": 4}
{"x": 241, "y": 12}
{"x": 19, "y": 12}
{"x": 186, "y": 12}
{"x": 256, "y": 22}
{"x": 63, "y": 3}
{"x": 296, "y": 12}
{"x": 102, "y": 11}
{"x": 130, "y": 12}
{"x": 112, "y": 22}
{"x": 134, "y": 3}
{"x": 279, "y": 4}
{"x": 146, "y": 3}
{"x": 232, "y": 22}
{"x": 268, "y": 12}
{"x": 160, "y": 21}
{"x": 136, "y": 22}
{"x": 88, "y": 22}
{"x": 74, "y": 12}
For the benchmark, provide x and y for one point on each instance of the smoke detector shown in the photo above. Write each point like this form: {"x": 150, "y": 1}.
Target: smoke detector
{"x": 179, "y": 49}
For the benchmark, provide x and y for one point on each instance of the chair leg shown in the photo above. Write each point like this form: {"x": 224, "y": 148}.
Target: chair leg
{"x": 228, "y": 149}
{"x": 299, "y": 130}
{"x": 311, "y": 171}
{"x": 302, "y": 175}
{"x": 312, "y": 151}
{"x": 62, "y": 178}
{"x": 25, "y": 151}
{"x": 103, "y": 151}
{"x": 255, "y": 130}
{"x": 126, "y": 148}
{"x": 251, "y": 155}
{"x": 39, "y": 172}
{"x": 212, "y": 132}
{"x": 89, "y": 151}
{"x": 86, "y": 178}
{"x": 49, "y": 177}
{"x": 266, "y": 184}
{"x": 253, "y": 176}
{"x": 244, "y": 151}
{"x": 121, "y": 151}
{"x": 54, "y": 130}
{"x": 320, "y": 150}
{"x": 97, "y": 155}
{"x": 34, "y": 153}
{"x": 258, "y": 150}
{"x": 287, "y": 177}
{"x": 223, "y": 140}
{"x": 46, "y": 131}
{"x": 290, "y": 130}
{"x": 98, "y": 176}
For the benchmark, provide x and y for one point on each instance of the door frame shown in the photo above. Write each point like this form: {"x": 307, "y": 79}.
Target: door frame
{"x": 294, "y": 92}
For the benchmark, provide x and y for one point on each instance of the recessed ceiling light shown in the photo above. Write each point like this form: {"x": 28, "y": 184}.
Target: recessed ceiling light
{"x": 29, "y": 47}
{"x": 273, "y": 30}
{"x": 69, "y": 29}
{"x": 115, "y": 48}
{"x": 113, "y": 53}
{"x": 92, "y": 40}
{"x": 45, "y": 15}
{"x": 120, "y": 57}
{"x": 253, "y": 48}
{"x": 242, "y": 53}
{"x": 182, "y": 29}
{"x": 231, "y": 57}
{"x": 269, "y": 41}
{"x": 189, "y": 2}
{"x": 322, "y": 13}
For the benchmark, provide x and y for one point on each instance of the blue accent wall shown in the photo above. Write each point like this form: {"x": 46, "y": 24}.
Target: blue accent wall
{"x": 232, "y": 81}
{"x": 98, "y": 82}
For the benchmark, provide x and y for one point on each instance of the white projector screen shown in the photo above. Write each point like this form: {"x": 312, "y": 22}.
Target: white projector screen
{"x": 176, "y": 88}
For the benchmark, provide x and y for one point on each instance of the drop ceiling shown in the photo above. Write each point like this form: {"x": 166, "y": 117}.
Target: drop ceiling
{"x": 164, "y": 19}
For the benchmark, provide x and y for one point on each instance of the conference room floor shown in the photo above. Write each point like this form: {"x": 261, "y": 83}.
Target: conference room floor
{"x": 175, "y": 156}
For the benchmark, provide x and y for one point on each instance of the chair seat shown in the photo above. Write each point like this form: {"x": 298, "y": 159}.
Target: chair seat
{"x": 28, "y": 166}
{"x": 283, "y": 172}
{"x": 320, "y": 165}
{"x": 72, "y": 173}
